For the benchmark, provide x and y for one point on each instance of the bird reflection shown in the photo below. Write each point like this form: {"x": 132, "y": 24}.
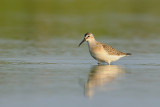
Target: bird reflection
{"x": 101, "y": 75}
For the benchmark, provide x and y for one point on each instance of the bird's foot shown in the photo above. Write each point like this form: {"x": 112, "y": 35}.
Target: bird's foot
{"x": 99, "y": 63}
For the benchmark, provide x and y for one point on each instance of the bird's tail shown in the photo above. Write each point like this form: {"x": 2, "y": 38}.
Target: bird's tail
{"x": 128, "y": 54}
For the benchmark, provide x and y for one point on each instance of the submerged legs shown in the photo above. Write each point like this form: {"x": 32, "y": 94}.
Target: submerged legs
{"x": 99, "y": 63}
{"x": 109, "y": 62}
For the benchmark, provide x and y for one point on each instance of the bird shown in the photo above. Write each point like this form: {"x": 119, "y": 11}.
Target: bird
{"x": 101, "y": 52}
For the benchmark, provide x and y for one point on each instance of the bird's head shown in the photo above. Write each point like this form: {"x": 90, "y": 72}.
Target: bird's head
{"x": 87, "y": 37}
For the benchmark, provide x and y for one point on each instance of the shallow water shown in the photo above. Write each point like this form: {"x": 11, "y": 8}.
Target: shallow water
{"x": 40, "y": 73}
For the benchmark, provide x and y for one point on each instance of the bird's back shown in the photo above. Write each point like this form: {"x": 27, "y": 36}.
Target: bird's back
{"x": 111, "y": 51}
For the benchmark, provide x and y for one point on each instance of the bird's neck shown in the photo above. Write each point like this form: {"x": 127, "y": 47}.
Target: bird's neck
{"x": 92, "y": 42}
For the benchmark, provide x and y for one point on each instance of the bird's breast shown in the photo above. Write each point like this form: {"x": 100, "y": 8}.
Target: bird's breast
{"x": 97, "y": 52}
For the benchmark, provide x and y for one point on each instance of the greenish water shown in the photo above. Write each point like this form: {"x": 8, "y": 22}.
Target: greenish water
{"x": 41, "y": 64}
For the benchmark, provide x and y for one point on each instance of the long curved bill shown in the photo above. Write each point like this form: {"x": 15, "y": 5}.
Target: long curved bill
{"x": 82, "y": 42}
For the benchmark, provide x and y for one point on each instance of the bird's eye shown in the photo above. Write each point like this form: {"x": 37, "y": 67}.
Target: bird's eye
{"x": 88, "y": 36}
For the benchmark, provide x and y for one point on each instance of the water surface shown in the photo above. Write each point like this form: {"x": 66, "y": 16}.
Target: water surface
{"x": 42, "y": 73}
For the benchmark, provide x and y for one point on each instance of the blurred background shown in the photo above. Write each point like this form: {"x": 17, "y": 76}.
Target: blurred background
{"x": 46, "y": 19}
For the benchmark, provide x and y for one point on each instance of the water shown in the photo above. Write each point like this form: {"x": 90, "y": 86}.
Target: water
{"x": 39, "y": 73}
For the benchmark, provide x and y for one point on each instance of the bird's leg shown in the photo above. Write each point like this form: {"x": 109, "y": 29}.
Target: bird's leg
{"x": 99, "y": 62}
{"x": 109, "y": 63}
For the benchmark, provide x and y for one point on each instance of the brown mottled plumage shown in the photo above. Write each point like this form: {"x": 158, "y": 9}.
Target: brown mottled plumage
{"x": 112, "y": 51}
{"x": 102, "y": 52}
